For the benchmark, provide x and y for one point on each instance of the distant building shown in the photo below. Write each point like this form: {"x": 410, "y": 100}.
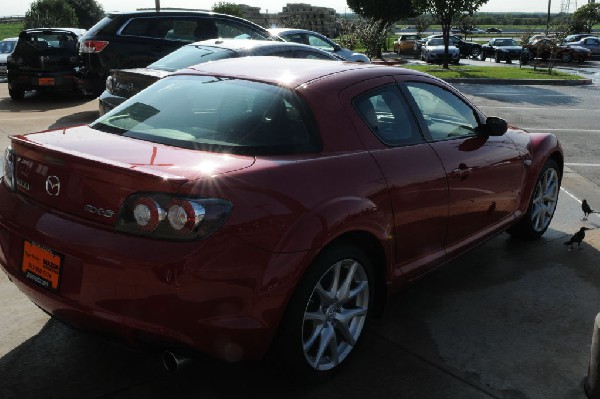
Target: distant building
{"x": 318, "y": 19}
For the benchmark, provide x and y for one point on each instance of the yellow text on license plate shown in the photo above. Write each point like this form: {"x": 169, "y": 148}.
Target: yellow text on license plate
{"x": 41, "y": 265}
{"x": 46, "y": 81}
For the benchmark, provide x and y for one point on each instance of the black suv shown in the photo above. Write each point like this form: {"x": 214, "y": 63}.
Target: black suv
{"x": 43, "y": 59}
{"x": 136, "y": 39}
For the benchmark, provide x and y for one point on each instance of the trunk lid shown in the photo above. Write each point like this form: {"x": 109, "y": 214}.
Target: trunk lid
{"x": 128, "y": 82}
{"x": 87, "y": 173}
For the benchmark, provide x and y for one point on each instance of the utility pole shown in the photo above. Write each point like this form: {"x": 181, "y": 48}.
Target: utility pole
{"x": 547, "y": 21}
{"x": 157, "y": 5}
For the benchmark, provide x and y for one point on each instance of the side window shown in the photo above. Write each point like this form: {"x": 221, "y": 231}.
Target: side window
{"x": 235, "y": 30}
{"x": 313, "y": 55}
{"x": 320, "y": 43}
{"x": 386, "y": 113}
{"x": 445, "y": 114}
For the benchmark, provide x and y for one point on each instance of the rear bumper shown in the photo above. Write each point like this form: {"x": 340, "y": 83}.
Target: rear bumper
{"x": 209, "y": 296}
{"x": 62, "y": 80}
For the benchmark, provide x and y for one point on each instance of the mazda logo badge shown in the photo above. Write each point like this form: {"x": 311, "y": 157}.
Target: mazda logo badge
{"x": 53, "y": 185}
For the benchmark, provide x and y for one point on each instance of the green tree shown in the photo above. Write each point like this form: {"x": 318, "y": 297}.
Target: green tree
{"x": 587, "y": 16}
{"x": 447, "y": 11}
{"x": 228, "y": 8}
{"x": 50, "y": 13}
{"x": 88, "y": 12}
{"x": 382, "y": 14}
{"x": 422, "y": 22}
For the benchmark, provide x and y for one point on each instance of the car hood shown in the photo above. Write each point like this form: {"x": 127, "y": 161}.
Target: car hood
{"x": 509, "y": 48}
{"x": 69, "y": 168}
{"x": 128, "y": 82}
{"x": 441, "y": 48}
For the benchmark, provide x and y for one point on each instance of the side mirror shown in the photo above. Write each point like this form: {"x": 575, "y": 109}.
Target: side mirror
{"x": 336, "y": 47}
{"x": 495, "y": 126}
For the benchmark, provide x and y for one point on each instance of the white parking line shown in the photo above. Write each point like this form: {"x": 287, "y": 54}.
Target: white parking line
{"x": 570, "y": 195}
{"x": 583, "y": 164}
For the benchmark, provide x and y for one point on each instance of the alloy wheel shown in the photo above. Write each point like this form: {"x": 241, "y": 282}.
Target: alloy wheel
{"x": 545, "y": 199}
{"x": 335, "y": 314}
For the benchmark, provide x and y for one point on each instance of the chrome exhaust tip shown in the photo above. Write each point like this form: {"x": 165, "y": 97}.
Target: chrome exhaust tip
{"x": 172, "y": 362}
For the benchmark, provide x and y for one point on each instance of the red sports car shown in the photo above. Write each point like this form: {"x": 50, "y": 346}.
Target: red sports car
{"x": 264, "y": 203}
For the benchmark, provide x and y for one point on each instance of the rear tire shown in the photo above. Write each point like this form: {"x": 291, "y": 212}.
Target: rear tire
{"x": 497, "y": 58}
{"x": 567, "y": 57}
{"x": 16, "y": 94}
{"x": 541, "y": 205}
{"x": 327, "y": 314}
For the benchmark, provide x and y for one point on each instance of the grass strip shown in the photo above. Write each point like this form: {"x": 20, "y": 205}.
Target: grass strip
{"x": 492, "y": 72}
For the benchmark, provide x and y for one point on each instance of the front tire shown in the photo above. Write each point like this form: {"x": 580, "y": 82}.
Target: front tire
{"x": 542, "y": 204}
{"x": 567, "y": 57}
{"x": 327, "y": 313}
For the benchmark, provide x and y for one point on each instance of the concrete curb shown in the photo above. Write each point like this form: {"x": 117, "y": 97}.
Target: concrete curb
{"x": 555, "y": 82}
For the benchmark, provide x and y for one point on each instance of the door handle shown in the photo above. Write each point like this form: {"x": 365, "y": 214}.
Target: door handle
{"x": 461, "y": 172}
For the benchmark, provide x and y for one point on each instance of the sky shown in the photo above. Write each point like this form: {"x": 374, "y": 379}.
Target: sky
{"x": 20, "y": 7}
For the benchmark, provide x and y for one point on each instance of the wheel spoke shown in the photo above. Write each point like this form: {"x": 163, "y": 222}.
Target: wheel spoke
{"x": 326, "y": 335}
{"x": 316, "y": 333}
{"x": 343, "y": 292}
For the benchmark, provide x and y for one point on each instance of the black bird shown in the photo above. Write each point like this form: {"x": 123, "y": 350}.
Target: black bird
{"x": 585, "y": 207}
{"x": 577, "y": 238}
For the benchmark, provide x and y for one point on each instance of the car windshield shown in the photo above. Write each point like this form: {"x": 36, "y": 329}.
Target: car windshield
{"x": 505, "y": 42}
{"x": 7, "y": 46}
{"x": 435, "y": 42}
{"x": 216, "y": 114}
{"x": 190, "y": 55}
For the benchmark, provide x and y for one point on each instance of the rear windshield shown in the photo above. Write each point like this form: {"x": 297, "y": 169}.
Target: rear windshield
{"x": 216, "y": 114}
{"x": 42, "y": 41}
{"x": 190, "y": 55}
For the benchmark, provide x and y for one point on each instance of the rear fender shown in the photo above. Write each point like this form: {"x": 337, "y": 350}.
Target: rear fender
{"x": 541, "y": 147}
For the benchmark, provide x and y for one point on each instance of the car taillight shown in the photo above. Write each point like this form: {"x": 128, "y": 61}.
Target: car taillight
{"x": 172, "y": 217}
{"x": 8, "y": 172}
{"x": 92, "y": 46}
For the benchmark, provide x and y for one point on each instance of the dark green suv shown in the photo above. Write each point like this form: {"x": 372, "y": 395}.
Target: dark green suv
{"x": 136, "y": 39}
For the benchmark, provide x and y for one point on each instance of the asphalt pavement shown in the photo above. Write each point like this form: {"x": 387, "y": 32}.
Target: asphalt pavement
{"x": 511, "y": 319}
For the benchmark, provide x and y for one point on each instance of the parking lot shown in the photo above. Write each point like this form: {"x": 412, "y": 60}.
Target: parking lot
{"x": 511, "y": 319}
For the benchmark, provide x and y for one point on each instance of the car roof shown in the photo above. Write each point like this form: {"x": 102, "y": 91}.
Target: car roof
{"x": 238, "y": 44}
{"x": 76, "y": 31}
{"x": 277, "y": 31}
{"x": 244, "y": 44}
{"x": 289, "y": 72}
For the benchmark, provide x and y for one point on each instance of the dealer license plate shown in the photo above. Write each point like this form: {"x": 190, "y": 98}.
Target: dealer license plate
{"x": 42, "y": 265}
{"x": 46, "y": 81}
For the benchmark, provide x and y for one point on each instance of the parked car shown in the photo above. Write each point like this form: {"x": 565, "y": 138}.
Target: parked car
{"x": 124, "y": 83}
{"x": 476, "y": 30}
{"x": 136, "y": 39}
{"x": 264, "y": 203}
{"x": 6, "y": 48}
{"x": 405, "y": 43}
{"x": 318, "y": 40}
{"x": 493, "y": 30}
{"x": 576, "y": 37}
{"x": 546, "y": 48}
{"x": 503, "y": 49}
{"x": 591, "y": 43}
{"x": 467, "y": 49}
{"x": 434, "y": 49}
{"x": 43, "y": 59}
